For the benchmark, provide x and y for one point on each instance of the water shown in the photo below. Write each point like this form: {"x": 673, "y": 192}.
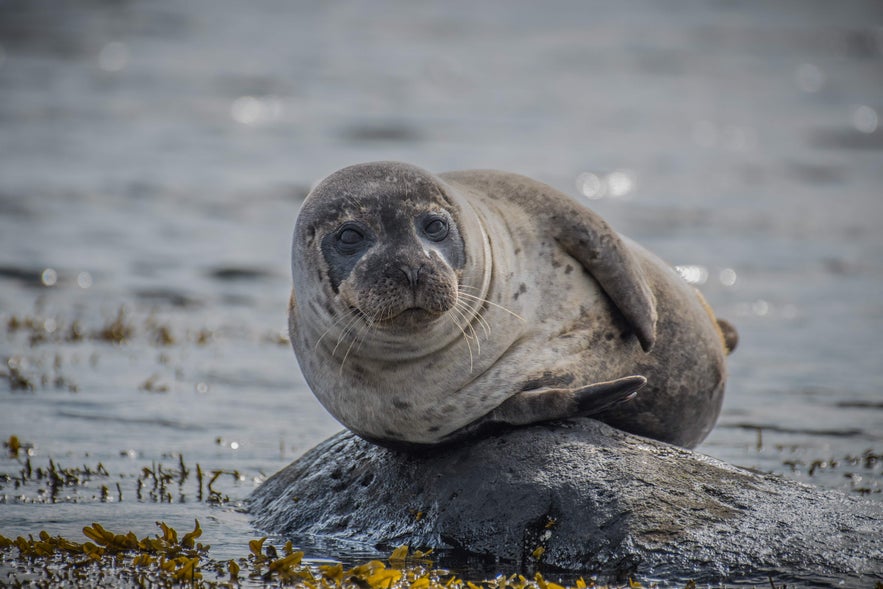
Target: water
{"x": 155, "y": 155}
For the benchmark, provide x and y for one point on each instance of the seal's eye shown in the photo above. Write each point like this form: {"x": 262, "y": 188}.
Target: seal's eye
{"x": 435, "y": 228}
{"x": 350, "y": 236}
{"x": 349, "y": 239}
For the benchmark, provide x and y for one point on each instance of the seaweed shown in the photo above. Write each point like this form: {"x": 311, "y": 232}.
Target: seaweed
{"x": 152, "y": 385}
{"x": 170, "y": 559}
{"x": 175, "y": 560}
{"x": 118, "y": 331}
{"x": 18, "y": 381}
{"x": 156, "y": 483}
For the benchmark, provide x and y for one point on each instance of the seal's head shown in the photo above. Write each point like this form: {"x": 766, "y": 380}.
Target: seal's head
{"x": 384, "y": 241}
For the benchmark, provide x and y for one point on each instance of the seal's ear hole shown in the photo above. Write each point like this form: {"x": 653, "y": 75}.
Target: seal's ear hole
{"x": 435, "y": 227}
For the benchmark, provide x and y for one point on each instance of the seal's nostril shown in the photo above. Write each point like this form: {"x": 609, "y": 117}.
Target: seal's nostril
{"x": 412, "y": 275}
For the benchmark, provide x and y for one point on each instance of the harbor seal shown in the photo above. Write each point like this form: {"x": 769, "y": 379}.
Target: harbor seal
{"x": 429, "y": 308}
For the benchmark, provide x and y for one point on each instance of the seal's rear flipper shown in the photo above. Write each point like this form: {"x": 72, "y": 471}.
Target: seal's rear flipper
{"x": 547, "y": 404}
{"x": 599, "y": 397}
{"x": 729, "y": 335}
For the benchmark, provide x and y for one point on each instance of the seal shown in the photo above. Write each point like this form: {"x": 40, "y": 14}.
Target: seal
{"x": 430, "y": 308}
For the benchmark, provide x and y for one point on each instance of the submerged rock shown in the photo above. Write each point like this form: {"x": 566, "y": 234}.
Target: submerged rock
{"x": 577, "y": 496}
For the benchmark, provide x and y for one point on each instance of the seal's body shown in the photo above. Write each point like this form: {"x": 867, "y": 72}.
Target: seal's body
{"x": 426, "y": 308}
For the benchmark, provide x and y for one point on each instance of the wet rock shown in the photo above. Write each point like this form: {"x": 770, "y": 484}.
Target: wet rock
{"x": 577, "y": 496}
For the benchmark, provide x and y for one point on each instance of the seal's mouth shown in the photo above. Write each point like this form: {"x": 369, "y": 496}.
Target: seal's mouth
{"x": 409, "y": 318}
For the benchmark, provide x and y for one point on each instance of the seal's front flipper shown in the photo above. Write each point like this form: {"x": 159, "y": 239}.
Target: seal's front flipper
{"x": 547, "y": 404}
{"x": 604, "y": 254}
{"x": 583, "y": 235}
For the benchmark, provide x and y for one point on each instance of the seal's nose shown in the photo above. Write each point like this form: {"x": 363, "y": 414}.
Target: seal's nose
{"x": 412, "y": 274}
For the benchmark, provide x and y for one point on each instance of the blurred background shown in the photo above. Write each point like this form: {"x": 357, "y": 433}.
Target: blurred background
{"x": 154, "y": 155}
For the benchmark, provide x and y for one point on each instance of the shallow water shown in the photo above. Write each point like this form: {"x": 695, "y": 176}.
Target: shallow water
{"x": 155, "y": 154}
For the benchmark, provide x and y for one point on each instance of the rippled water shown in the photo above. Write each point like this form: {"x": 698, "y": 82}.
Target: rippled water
{"x": 155, "y": 155}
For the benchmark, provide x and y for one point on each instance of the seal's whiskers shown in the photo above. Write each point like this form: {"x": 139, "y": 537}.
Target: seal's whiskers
{"x": 462, "y": 312}
{"x": 485, "y": 301}
{"x": 334, "y": 324}
{"x": 370, "y": 323}
{"x": 485, "y": 325}
{"x": 361, "y": 331}
{"x": 466, "y": 338}
{"x": 347, "y": 330}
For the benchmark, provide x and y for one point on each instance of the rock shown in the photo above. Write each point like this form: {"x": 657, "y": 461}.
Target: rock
{"x": 578, "y": 496}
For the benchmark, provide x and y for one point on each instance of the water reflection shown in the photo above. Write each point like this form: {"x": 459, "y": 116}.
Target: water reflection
{"x": 616, "y": 184}
{"x": 590, "y": 185}
{"x": 760, "y": 307}
{"x": 254, "y": 110}
{"x": 50, "y": 325}
{"x": 697, "y": 274}
{"x": 49, "y": 277}
{"x": 84, "y": 280}
{"x": 810, "y": 78}
{"x": 693, "y": 274}
{"x": 727, "y": 277}
{"x": 620, "y": 183}
{"x": 113, "y": 57}
{"x": 864, "y": 118}
{"x": 766, "y": 309}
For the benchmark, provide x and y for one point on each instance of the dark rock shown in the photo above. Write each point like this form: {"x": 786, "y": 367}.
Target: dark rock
{"x": 169, "y": 296}
{"x": 232, "y": 273}
{"x": 391, "y": 131}
{"x": 27, "y": 276}
{"x": 578, "y": 496}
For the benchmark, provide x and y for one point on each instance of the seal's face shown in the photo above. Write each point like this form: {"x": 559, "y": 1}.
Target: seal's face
{"x": 390, "y": 247}
{"x": 395, "y": 263}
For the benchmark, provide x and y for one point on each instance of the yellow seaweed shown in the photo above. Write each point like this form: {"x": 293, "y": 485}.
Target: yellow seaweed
{"x": 170, "y": 559}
